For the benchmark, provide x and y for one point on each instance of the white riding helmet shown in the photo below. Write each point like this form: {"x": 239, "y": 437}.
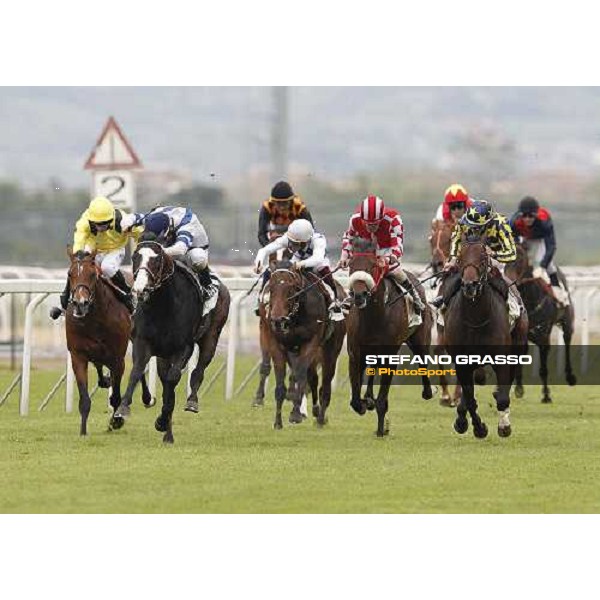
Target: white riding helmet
{"x": 300, "y": 231}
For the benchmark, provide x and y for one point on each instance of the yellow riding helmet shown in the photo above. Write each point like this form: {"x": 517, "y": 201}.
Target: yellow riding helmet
{"x": 101, "y": 210}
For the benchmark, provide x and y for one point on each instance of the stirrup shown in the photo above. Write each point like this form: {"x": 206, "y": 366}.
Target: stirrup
{"x": 437, "y": 302}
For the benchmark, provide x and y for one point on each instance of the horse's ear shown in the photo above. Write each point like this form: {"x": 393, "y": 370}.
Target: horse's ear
{"x": 70, "y": 252}
{"x": 93, "y": 253}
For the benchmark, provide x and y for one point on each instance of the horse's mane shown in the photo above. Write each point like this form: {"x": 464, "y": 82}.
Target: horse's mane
{"x": 283, "y": 264}
{"x": 81, "y": 255}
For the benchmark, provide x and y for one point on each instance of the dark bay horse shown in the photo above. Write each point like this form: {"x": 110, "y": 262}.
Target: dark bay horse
{"x": 476, "y": 323}
{"x": 439, "y": 241}
{"x": 543, "y": 313}
{"x": 376, "y": 320}
{"x": 168, "y": 322}
{"x": 298, "y": 333}
{"x": 98, "y": 326}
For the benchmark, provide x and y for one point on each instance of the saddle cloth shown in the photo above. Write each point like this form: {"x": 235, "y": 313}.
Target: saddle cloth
{"x": 563, "y": 300}
{"x": 414, "y": 319}
{"x": 210, "y": 294}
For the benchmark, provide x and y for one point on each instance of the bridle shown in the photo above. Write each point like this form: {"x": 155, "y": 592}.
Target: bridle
{"x": 158, "y": 276}
{"x": 482, "y": 268}
{"x": 91, "y": 290}
{"x": 292, "y": 301}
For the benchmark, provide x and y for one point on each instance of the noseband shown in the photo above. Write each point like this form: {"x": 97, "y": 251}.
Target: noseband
{"x": 161, "y": 275}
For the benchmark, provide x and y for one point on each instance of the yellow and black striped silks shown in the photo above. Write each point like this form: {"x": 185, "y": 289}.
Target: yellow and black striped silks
{"x": 498, "y": 235}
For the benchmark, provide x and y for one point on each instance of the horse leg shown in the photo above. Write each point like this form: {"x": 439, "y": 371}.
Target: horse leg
{"x": 141, "y": 355}
{"x": 169, "y": 377}
{"x": 300, "y": 365}
{"x": 468, "y": 404}
{"x": 265, "y": 368}
{"x": 279, "y": 365}
{"x": 544, "y": 351}
{"x": 502, "y": 397}
{"x": 147, "y": 398}
{"x": 381, "y": 404}
{"x": 327, "y": 375}
{"x": 103, "y": 380}
{"x": 313, "y": 383}
{"x": 422, "y": 351}
{"x": 355, "y": 371}
{"x": 116, "y": 374}
{"x": 369, "y": 397}
{"x": 567, "y": 335}
{"x": 80, "y": 368}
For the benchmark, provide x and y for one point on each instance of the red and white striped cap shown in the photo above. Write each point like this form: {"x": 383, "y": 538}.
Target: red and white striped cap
{"x": 372, "y": 209}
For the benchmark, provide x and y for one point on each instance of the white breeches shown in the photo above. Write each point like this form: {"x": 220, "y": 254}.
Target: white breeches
{"x": 197, "y": 258}
{"x": 110, "y": 262}
{"x": 536, "y": 250}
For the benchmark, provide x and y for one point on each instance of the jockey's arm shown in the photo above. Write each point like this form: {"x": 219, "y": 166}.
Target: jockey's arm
{"x": 507, "y": 251}
{"x": 349, "y": 235}
{"x": 262, "y": 256}
{"x": 83, "y": 238}
{"x": 550, "y": 242}
{"x": 318, "y": 255}
{"x": 263, "y": 226}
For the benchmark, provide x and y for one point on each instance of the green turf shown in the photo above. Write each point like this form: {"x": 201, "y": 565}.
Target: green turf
{"x": 228, "y": 458}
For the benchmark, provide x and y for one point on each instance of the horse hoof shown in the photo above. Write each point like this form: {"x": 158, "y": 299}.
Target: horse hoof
{"x": 315, "y": 412}
{"x": 546, "y": 400}
{"x": 295, "y": 417}
{"x": 571, "y": 379}
{"x": 504, "y": 431}
{"x": 123, "y": 411}
{"x": 447, "y": 402}
{"x": 117, "y": 422}
{"x": 278, "y": 425}
{"x": 160, "y": 424}
{"x": 258, "y": 402}
{"x": 519, "y": 391}
{"x": 370, "y": 403}
{"x": 480, "y": 431}
{"x": 461, "y": 425}
{"x": 427, "y": 394}
{"x": 380, "y": 434}
{"x": 192, "y": 406}
{"x": 168, "y": 438}
{"x": 358, "y": 407}
{"x": 149, "y": 403}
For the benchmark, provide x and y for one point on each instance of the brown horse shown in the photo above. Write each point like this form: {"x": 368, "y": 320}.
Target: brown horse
{"x": 476, "y": 323}
{"x": 298, "y": 333}
{"x": 543, "y": 313}
{"x": 375, "y": 319}
{"x": 98, "y": 326}
{"x": 439, "y": 241}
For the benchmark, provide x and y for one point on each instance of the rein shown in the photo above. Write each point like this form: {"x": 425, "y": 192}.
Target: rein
{"x": 159, "y": 278}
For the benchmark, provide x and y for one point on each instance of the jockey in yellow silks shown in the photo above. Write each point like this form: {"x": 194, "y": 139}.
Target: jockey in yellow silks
{"x": 107, "y": 230}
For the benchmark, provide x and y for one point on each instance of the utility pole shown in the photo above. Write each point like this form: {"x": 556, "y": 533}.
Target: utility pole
{"x": 279, "y": 134}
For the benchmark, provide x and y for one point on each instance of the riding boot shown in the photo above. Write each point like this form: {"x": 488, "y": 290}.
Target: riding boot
{"x": 118, "y": 279}
{"x": 335, "y": 308}
{"x": 56, "y": 312}
{"x": 414, "y": 294}
{"x": 450, "y": 286}
{"x": 206, "y": 282}
{"x": 561, "y": 295}
{"x": 265, "y": 278}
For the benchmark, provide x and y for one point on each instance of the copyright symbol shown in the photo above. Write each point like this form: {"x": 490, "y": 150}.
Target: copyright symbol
{"x": 370, "y": 371}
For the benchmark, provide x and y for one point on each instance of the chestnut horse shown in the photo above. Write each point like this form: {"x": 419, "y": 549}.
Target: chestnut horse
{"x": 98, "y": 326}
{"x": 543, "y": 314}
{"x": 297, "y": 332}
{"x": 476, "y": 323}
{"x": 376, "y": 319}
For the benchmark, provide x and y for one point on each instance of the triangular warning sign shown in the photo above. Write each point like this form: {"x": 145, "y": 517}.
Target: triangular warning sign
{"x": 112, "y": 150}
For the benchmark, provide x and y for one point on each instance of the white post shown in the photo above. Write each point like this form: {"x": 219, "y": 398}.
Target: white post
{"x": 585, "y": 329}
{"x": 27, "y": 342}
{"x": 152, "y": 376}
{"x": 232, "y": 344}
{"x": 70, "y": 385}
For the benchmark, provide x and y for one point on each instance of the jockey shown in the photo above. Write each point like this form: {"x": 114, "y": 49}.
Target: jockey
{"x": 483, "y": 220}
{"x": 279, "y": 211}
{"x": 456, "y": 201}
{"x": 533, "y": 223}
{"x": 308, "y": 249}
{"x": 101, "y": 228}
{"x": 183, "y": 237}
{"x": 384, "y": 227}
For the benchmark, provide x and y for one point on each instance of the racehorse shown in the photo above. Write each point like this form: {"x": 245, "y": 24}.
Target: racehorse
{"x": 298, "y": 333}
{"x": 543, "y": 314}
{"x": 439, "y": 241}
{"x": 98, "y": 326}
{"x": 476, "y": 323}
{"x": 265, "y": 365}
{"x": 376, "y": 319}
{"x": 168, "y": 322}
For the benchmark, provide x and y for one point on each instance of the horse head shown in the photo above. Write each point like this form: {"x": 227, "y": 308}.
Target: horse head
{"x": 284, "y": 300}
{"x": 440, "y": 245}
{"x": 83, "y": 277}
{"x": 473, "y": 263}
{"x": 152, "y": 268}
{"x": 364, "y": 277}
{"x": 520, "y": 268}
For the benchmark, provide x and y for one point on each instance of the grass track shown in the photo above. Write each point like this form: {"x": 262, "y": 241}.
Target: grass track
{"x": 229, "y": 459}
